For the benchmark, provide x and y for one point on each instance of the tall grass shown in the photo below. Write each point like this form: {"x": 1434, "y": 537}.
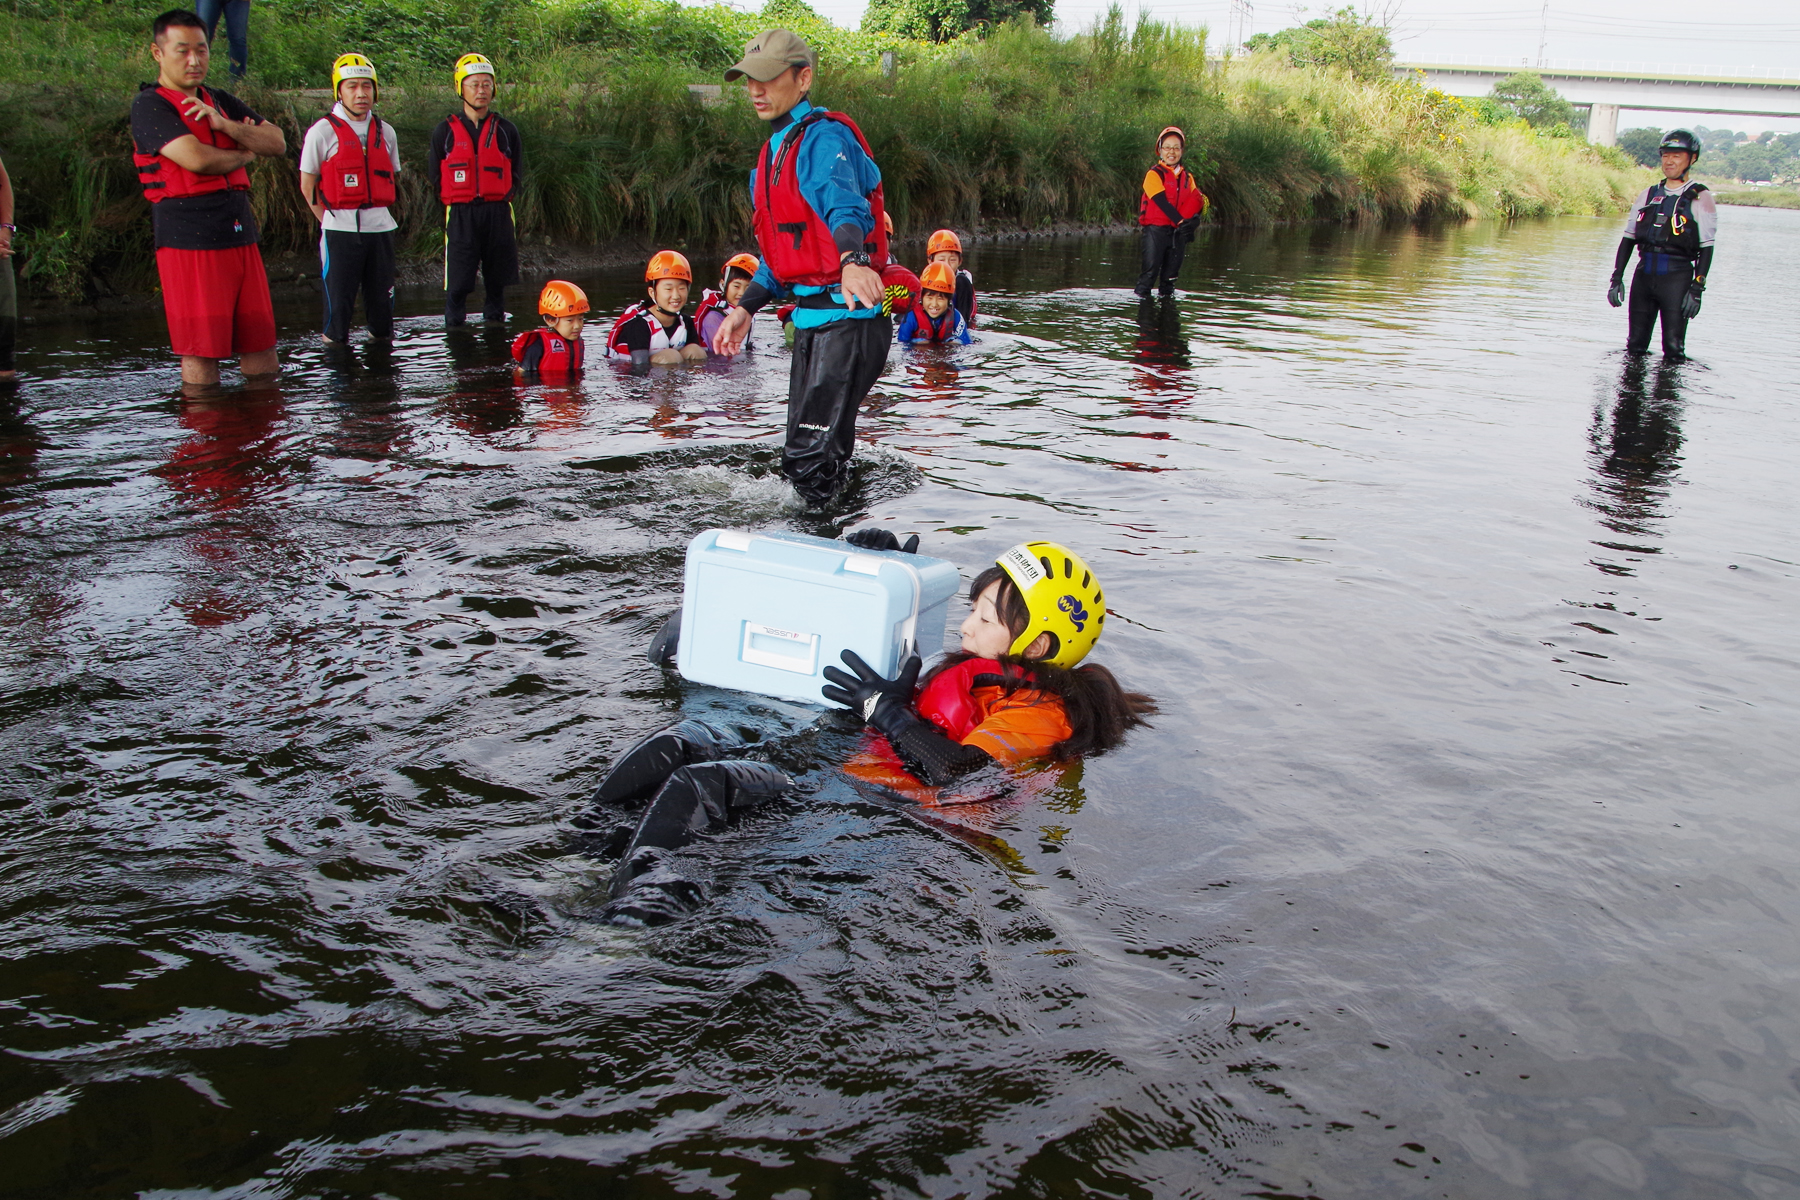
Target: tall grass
{"x": 1023, "y": 129}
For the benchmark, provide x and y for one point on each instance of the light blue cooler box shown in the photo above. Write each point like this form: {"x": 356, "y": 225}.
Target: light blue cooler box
{"x": 768, "y": 612}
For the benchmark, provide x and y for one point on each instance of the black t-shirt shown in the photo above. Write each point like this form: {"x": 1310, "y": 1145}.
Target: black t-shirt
{"x": 506, "y": 140}
{"x": 636, "y": 333}
{"x": 215, "y": 221}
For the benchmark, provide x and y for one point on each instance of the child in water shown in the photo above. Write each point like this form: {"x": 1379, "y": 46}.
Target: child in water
{"x": 933, "y": 319}
{"x": 554, "y": 351}
{"x": 1014, "y": 694}
{"x": 945, "y": 247}
{"x": 655, "y": 331}
{"x": 717, "y": 303}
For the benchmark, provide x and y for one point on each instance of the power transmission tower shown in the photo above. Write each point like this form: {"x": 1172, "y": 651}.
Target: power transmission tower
{"x": 1238, "y": 30}
{"x": 1543, "y": 34}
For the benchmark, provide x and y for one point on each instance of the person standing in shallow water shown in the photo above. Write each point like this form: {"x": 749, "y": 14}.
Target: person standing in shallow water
{"x": 1672, "y": 225}
{"x": 477, "y": 160}
{"x": 819, "y": 220}
{"x": 1169, "y": 210}
{"x": 191, "y": 147}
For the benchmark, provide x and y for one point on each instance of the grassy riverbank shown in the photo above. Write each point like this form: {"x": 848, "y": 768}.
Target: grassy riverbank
{"x": 1774, "y": 197}
{"x": 1021, "y": 130}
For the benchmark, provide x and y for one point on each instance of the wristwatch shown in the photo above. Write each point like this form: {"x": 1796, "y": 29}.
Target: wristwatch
{"x": 856, "y": 258}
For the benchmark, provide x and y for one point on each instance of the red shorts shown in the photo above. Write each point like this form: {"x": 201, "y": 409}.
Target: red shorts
{"x": 217, "y": 301}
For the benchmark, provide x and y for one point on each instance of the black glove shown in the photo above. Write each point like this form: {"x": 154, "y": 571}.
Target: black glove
{"x": 1615, "y": 295}
{"x": 884, "y": 703}
{"x": 1189, "y": 229}
{"x": 874, "y": 537}
{"x": 1690, "y": 303}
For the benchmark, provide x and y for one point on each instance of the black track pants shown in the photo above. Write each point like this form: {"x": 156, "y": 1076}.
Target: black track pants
{"x": 352, "y": 263}
{"x": 1164, "y": 248}
{"x": 834, "y": 367}
{"x": 1658, "y": 294}
{"x": 479, "y": 237}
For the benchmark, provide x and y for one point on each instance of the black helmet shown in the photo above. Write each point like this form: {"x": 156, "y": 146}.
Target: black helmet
{"x": 1680, "y": 139}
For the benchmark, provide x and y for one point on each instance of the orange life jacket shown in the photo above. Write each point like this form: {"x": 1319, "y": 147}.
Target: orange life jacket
{"x": 960, "y": 701}
{"x": 357, "y": 176}
{"x": 164, "y": 178}
{"x": 475, "y": 169}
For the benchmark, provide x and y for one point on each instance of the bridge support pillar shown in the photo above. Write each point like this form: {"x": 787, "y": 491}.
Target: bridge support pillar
{"x": 1603, "y": 125}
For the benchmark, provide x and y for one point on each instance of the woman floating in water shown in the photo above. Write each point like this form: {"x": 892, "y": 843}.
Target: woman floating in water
{"x": 1013, "y": 695}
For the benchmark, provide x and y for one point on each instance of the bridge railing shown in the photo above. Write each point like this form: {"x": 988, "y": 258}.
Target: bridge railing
{"x": 1553, "y": 65}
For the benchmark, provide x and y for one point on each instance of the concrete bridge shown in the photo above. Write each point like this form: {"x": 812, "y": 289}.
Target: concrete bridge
{"x": 1608, "y": 87}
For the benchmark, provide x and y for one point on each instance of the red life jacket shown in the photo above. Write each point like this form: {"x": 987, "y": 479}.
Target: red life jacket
{"x": 672, "y": 339}
{"x": 900, "y": 288}
{"x": 948, "y": 701}
{"x": 1182, "y": 191}
{"x": 710, "y": 299}
{"x": 561, "y": 356}
{"x": 163, "y": 178}
{"x": 797, "y": 247}
{"x": 474, "y": 170}
{"x": 357, "y": 176}
{"x": 942, "y": 329}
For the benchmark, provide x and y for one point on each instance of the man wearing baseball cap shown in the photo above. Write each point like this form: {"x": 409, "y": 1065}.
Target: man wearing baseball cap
{"x": 816, "y": 193}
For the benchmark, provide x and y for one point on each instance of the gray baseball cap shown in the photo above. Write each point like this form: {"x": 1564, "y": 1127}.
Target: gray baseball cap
{"x": 769, "y": 54}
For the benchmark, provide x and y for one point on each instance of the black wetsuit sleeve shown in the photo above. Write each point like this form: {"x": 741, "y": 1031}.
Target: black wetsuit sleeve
{"x": 693, "y": 330}
{"x": 154, "y": 122}
{"x": 964, "y": 300}
{"x": 848, "y": 238}
{"x": 1168, "y": 207}
{"x": 1703, "y": 264}
{"x": 514, "y": 147}
{"x": 440, "y": 150}
{"x": 534, "y": 356}
{"x": 634, "y": 335}
{"x": 754, "y": 297}
{"x": 927, "y": 753}
{"x": 1624, "y": 255}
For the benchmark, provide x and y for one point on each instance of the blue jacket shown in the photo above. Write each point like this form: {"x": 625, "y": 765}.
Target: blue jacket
{"x": 911, "y": 327}
{"x": 836, "y": 178}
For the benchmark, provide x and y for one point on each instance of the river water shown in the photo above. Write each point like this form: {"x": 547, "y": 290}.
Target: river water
{"x": 1461, "y": 860}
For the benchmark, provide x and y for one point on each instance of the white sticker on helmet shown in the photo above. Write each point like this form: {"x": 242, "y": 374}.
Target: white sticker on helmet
{"x": 1026, "y": 570}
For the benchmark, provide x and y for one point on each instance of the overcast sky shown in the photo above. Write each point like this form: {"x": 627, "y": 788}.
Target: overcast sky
{"x": 1732, "y": 35}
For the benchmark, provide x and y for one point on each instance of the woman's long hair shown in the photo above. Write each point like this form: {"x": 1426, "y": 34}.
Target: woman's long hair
{"x": 1100, "y": 711}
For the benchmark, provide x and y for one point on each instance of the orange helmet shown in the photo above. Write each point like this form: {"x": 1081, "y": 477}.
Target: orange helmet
{"x": 937, "y": 278}
{"x": 943, "y": 239}
{"x": 744, "y": 262}
{"x": 560, "y": 298}
{"x": 887, "y": 222}
{"x": 1167, "y": 130}
{"x": 667, "y": 264}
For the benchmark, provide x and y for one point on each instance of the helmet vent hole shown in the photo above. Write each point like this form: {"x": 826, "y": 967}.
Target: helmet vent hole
{"x": 1086, "y": 576}
{"x": 1048, "y": 569}
{"x": 1068, "y": 569}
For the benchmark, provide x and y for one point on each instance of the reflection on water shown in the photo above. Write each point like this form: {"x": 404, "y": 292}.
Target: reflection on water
{"x": 1448, "y": 868}
{"x": 1636, "y": 453}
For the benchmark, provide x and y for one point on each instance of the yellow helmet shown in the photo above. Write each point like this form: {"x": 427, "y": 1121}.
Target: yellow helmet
{"x": 1062, "y": 597}
{"x": 471, "y": 64}
{"x": 353, "y": 66}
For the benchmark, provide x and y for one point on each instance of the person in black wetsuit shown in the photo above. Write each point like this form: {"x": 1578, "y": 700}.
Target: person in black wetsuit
{"x": 1672, "y": 225}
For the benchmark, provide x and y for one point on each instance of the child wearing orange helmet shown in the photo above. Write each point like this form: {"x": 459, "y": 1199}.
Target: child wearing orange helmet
{"x": 655, "y": 332}
{"x": 717, "y": 303}
{"x": 934, "y": 318}
{"x": 945, "y": 247}
{"x": 554, "y": 351}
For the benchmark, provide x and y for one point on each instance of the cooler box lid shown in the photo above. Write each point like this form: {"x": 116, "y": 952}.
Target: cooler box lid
{"x": 768, "y": 612}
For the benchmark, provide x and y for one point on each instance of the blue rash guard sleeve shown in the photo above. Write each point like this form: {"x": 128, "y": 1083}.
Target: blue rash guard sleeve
{"x": 909, "y": 328}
